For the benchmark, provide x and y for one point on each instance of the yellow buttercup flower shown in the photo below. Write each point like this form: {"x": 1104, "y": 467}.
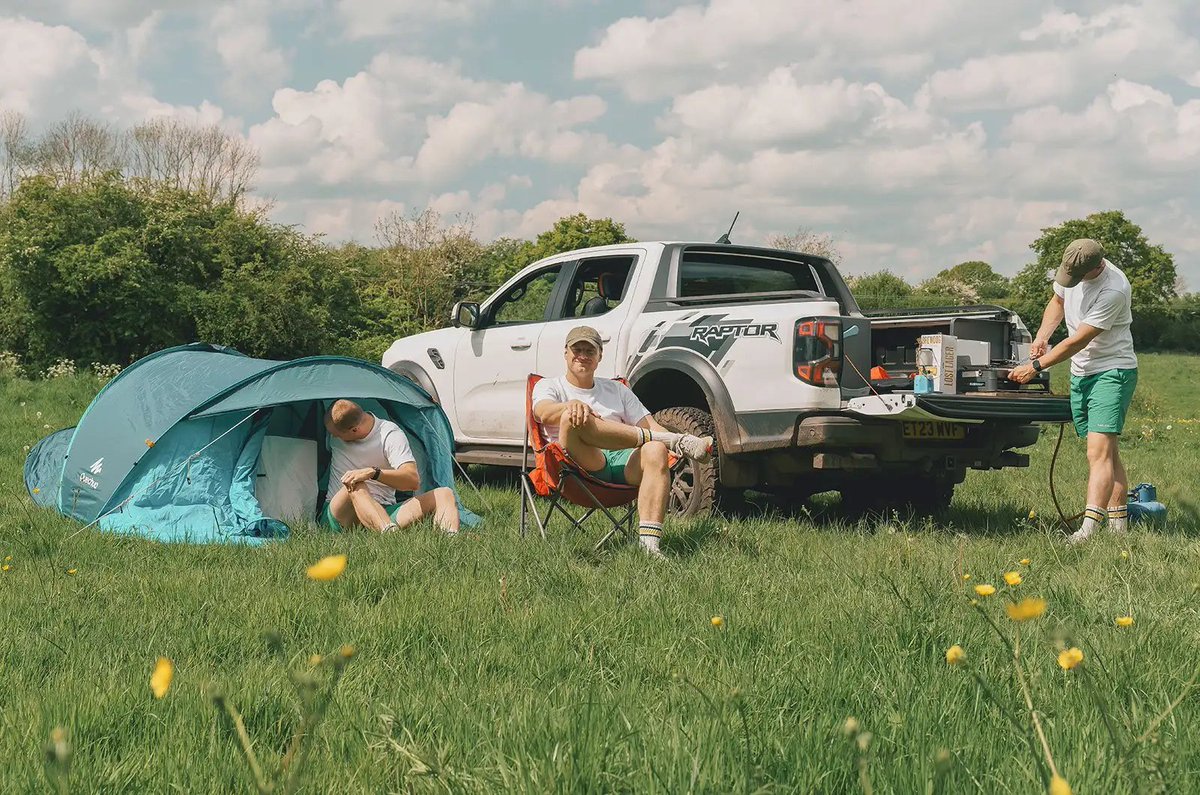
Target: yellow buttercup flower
{"x": 1059, "y": 786}
{"x": 1026, "y": 609}
{"x": 71, "y": 572}
{"x": 1124, "y": 621}
{"x": 985, "y": 589}
{"x": 37, "y": 490}
{"x": 966, "y": 577}
{"x": 1012, "y": 577}
{"x": 1124, "y": 554}
{"x": 955, "y": 655}
{"x": 6, "y": 567}
{"x": 718, "y": 622}
{"x": 1069, "y": 658}
{"x": 1032, "y": 514}
{"x": 315, "y": 660}
{"x": 347, "y": 651}
{"x": 160, "y": 680}
{"x": 327, "y": 568}
{"x": 1025, "y": 561}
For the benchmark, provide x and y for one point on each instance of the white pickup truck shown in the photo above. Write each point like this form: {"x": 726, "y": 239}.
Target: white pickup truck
{"x": 766, "y": 350}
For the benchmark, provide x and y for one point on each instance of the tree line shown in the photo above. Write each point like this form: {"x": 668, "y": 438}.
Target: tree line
{"x": 114, "y": 244}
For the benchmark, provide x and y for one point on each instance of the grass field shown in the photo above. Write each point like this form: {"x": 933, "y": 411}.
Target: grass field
{"x": 487, "y": 663}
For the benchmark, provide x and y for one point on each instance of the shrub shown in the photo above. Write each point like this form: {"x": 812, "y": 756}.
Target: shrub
{"x": 10, "y": 365}
{"x": 105, "y": 372}
{"x": 63, "y": 368}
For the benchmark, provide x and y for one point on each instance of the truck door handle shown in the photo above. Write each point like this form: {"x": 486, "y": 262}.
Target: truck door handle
{"x": 520, "y": 344}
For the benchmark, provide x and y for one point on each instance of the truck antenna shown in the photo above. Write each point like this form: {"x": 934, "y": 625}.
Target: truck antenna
{"x": 725, "y": 237}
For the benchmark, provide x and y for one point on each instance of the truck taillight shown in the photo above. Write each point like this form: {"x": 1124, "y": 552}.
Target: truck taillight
{"x": 817, "y": 352}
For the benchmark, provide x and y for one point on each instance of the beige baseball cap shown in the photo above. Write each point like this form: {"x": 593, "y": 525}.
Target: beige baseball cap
{"x": 584, "y": 334}
{"x": 1081, "y": 258}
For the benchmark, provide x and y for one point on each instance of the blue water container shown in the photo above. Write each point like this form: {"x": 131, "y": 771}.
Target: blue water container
{"x": 923, "y": 384}
{"x": 1144, "y": 505}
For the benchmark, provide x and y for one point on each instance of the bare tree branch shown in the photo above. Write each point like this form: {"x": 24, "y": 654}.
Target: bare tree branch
{"x": 807, "y": 241}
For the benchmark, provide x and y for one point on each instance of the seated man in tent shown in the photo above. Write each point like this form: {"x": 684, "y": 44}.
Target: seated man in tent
{"x": 370, "y": 461}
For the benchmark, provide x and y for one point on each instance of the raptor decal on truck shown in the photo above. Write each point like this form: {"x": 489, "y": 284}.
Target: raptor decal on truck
{"x": 711, "y": 336}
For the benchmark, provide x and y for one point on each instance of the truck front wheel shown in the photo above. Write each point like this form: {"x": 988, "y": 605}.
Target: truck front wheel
{"x": 694, "y": 486}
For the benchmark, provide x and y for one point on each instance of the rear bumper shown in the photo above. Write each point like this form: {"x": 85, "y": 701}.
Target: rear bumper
{"x": 1018, "y": 408}
{"x": 1022, "y": 408}
{"x": 783, "y": 447}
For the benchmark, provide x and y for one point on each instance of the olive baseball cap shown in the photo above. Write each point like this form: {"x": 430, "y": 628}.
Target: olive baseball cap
{"x": 584, "y": 334}
{"x": 1081, "y": 258}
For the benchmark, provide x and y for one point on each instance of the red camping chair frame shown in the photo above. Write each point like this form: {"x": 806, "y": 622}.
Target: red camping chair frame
{"x": 559, "y": 479}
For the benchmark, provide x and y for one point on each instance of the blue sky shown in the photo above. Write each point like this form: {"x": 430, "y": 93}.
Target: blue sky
{"x": 916, "y": 138}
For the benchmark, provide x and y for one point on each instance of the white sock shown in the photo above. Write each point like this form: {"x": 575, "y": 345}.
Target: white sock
{"x": 1118, "y": 518}
{"x": 666, "y": 437}
{"x": 650, "y": 533}
{"x": 1093, "y": 519}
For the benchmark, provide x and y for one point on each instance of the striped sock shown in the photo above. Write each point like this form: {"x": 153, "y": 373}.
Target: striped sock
{"x": 1093, "y": 517}
{"x": 650, "y": 533}
{"x": 1118, "y": 518}
{"x": 666, "y": 437}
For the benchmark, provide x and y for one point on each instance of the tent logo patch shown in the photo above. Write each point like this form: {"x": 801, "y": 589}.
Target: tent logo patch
{"x": 97, "y": 466}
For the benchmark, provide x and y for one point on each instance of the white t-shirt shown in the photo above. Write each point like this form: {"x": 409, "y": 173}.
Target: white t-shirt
{"x": 610, "y": 400}
{"x": 385, "y": 447}
{"x": 1104, "y": 303}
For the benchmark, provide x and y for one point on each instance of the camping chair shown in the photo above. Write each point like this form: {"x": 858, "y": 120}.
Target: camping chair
{"x": 556, "y": 477}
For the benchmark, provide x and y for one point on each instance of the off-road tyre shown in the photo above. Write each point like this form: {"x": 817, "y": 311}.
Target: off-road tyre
{"x": 694, "y": 486}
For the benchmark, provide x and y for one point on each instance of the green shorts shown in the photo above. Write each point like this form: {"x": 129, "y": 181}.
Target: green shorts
{"x": 1099, "y": 402}
{"x": 613, "y": 470}
{"x": 328, "y": 519}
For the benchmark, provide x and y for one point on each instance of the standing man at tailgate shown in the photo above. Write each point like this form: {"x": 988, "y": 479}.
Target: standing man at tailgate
{"x": 1094, "y": 297}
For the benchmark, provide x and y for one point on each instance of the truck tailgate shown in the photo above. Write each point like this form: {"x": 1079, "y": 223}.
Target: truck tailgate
{"x": 1021, "y": 408}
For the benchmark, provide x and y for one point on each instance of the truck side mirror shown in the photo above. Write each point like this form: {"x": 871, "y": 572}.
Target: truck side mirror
{"x": 465, "y": 314}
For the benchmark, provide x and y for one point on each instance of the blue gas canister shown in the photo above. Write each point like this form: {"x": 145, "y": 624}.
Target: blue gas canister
{"x": 1144, "y": 505}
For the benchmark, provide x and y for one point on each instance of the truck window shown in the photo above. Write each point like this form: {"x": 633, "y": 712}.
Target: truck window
{"x": 714, "y": 273}
{"x": 526, "y": 301}
{"x": 598, "y": 286}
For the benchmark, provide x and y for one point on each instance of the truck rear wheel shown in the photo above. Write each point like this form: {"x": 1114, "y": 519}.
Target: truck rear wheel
{"x": 694, "y": 487}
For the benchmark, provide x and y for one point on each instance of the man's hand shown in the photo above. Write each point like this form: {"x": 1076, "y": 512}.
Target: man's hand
{"x": 1039, "y": 348}
{"x": 356, "y": 476}
{"x": 577, "y": 412}
{"x": 1022, "y": 374}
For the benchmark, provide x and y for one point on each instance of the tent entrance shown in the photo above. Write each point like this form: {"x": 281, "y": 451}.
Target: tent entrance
{"x": 287, "y": 482}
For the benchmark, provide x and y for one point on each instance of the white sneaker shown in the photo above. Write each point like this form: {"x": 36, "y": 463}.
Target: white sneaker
{"x": 652, "y": 553}
{"x": 1079, "y": 536}
{"x": 697, "y": 448}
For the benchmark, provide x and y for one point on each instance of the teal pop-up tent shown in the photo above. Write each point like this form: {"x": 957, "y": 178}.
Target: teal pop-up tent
{"x": 201, "y": 443}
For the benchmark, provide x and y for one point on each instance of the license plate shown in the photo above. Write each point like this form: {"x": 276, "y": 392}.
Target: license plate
{"x": 931, "y": 429}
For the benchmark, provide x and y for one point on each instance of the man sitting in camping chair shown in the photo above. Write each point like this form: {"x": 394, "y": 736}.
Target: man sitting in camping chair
{"x": 607, "y": 431}
{"x": 370, "y": 461}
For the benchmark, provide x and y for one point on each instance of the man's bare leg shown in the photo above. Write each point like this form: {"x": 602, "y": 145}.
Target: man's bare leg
{"x": 649, "y": 470}
{"x": 586, "y": 442}
{"x": 1118, "y": 503}
{"x": 343, "y": 510}
{"x": 370, "y": 513}
{"x": 1101, "y": 450}
{"x": 439, "y": 503}
{"x": 599, "y": 434}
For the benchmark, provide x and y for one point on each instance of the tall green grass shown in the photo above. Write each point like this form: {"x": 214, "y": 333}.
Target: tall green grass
{"x": 487, "y": 663}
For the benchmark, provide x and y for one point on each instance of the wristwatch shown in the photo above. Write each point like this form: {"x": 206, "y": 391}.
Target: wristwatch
{"x": 375, "y": 476}
{"x": 1037, "y": 365}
